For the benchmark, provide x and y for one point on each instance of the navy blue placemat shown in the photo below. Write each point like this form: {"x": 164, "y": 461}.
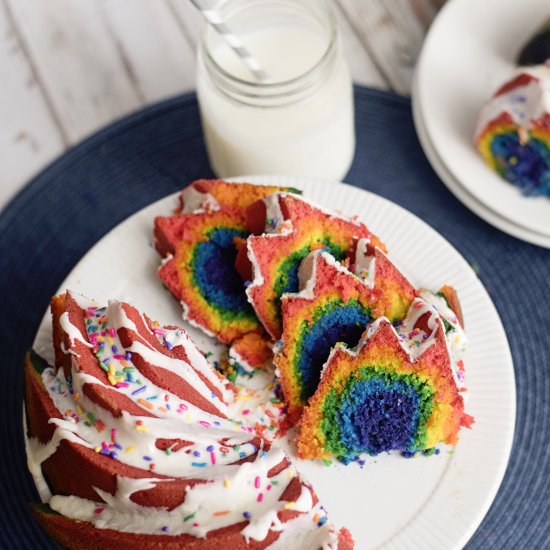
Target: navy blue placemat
{"x": 66, "y": 209}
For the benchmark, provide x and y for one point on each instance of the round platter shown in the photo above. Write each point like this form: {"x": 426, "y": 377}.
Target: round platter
{"x": 426, "y": 502}
{"x": 480, "y": 41}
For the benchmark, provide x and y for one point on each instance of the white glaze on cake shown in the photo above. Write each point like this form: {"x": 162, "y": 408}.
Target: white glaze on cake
{"x": 231, "y": 493}
{"x": 524, "y": 103}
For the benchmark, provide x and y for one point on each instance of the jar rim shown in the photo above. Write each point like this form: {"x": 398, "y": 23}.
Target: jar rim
{"x": 271, "y": 86}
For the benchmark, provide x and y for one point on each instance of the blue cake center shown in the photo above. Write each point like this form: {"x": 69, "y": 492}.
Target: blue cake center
{"x": 378, "y": 416}
{"x": 215, "y": 274}
{"x": 525, "y": 165}
{"x": 340, "y": 323}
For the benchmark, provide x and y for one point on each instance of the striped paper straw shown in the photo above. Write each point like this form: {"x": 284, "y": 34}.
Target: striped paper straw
{"x": 213, "y": 17}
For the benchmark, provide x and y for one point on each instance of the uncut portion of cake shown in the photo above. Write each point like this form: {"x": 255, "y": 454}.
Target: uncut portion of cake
{"x": 400, "y": 389}
{"x": 334, "y": 305}
{"x": 513, "y": 130}
{"x": 293, "y": 228}
{"x": 130, "y": 444}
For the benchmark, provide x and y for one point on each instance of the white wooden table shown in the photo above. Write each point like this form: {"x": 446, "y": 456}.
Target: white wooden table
{"x": 68, "y": 67}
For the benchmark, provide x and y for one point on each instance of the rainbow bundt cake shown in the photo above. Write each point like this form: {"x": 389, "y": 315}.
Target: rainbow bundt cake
{"x": 294, "y": 227}
{"x": 513, "y": 131}
{"x": 333, "y": 306}
{"x": 199, "y": 246}
{"x": 130, "y": 445}
{"x": 398, "y": 390}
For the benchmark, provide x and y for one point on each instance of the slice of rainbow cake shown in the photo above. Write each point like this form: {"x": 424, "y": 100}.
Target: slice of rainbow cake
{"x": 333, "y": 306}
{"x": 400, "y": 389}
{"x": 199, "y": 244}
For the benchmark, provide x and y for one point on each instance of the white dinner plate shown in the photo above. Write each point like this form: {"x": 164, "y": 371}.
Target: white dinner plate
{"x": 425, "y": 502}
{"x": 469, "y": 52}
{"x": 461, "y": 193}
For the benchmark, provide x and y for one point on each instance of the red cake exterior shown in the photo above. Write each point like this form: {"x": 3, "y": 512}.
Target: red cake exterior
{"x": 136, "y": 407}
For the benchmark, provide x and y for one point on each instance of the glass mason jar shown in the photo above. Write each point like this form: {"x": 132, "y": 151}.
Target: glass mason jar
{"x": 299, "y": 122}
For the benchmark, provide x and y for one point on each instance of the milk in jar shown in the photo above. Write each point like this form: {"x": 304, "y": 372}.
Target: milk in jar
{"x": 300, "y": 121}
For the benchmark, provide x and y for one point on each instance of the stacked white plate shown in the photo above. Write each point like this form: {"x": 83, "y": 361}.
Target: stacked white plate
{"x": 469, "y": 52}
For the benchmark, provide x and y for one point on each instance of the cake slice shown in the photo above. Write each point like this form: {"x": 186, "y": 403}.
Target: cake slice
{"x": 216, "y": 194}
{"x": 397, "y": 391}
{"x": 201, "y": 274}
{"x": 129, "y": 442}
{"x": 513, "y": 131}
{"x": 333, "y": 306}
{"x": 294, "y": 227}
{"x": 199, "y": 246}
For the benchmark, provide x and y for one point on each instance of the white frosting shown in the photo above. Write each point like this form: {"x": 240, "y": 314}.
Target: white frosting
{"x": 185, "y": 316}
{"x": 301, "y": 533}
{"x": 523, "y": 103}
{"x": 72, "y": 332}
{"x": 307, "y": 276}
{"x": 365, "y": 264}
{"x": 195, "y": 201}
{"x": 274, "y": 216}
{"x": 454, "y": 336}
{"x": 230, "y": 493}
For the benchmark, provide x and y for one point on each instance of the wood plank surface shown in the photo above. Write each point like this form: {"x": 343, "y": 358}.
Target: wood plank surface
{"x": 392, "y": 33}
{"x": 79, "y": 63}
{"x": 158, "y": 56}
{"x": 69, "y": 67}
{"x": 29, "y": 136}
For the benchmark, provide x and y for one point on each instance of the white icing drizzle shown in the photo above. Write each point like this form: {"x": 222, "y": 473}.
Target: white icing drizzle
{"x": 454, "y": 336}
{"x": 34, "y": 467}
{"x": 72, "y": 332}
{"x": 185, "y": 316}
{"x": 231, "y": 493}
{"x": 524, "y": 103}
{"x": 365, "y": 264}
{"x": 413, "y": 340}
{"x": 195, "y": 201}
{"x": 172, "y": 338}
{"x": 301, "y": 533}
{"x": 307, "y": 276}
{"x": 166, "y": 259}
{"x": 273, "y": 216}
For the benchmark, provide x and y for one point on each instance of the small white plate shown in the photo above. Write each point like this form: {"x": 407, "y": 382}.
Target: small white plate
{"x": 461, "y": 193}
{"x": 426, "y": 502}
{"x": 468, "y": 53}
